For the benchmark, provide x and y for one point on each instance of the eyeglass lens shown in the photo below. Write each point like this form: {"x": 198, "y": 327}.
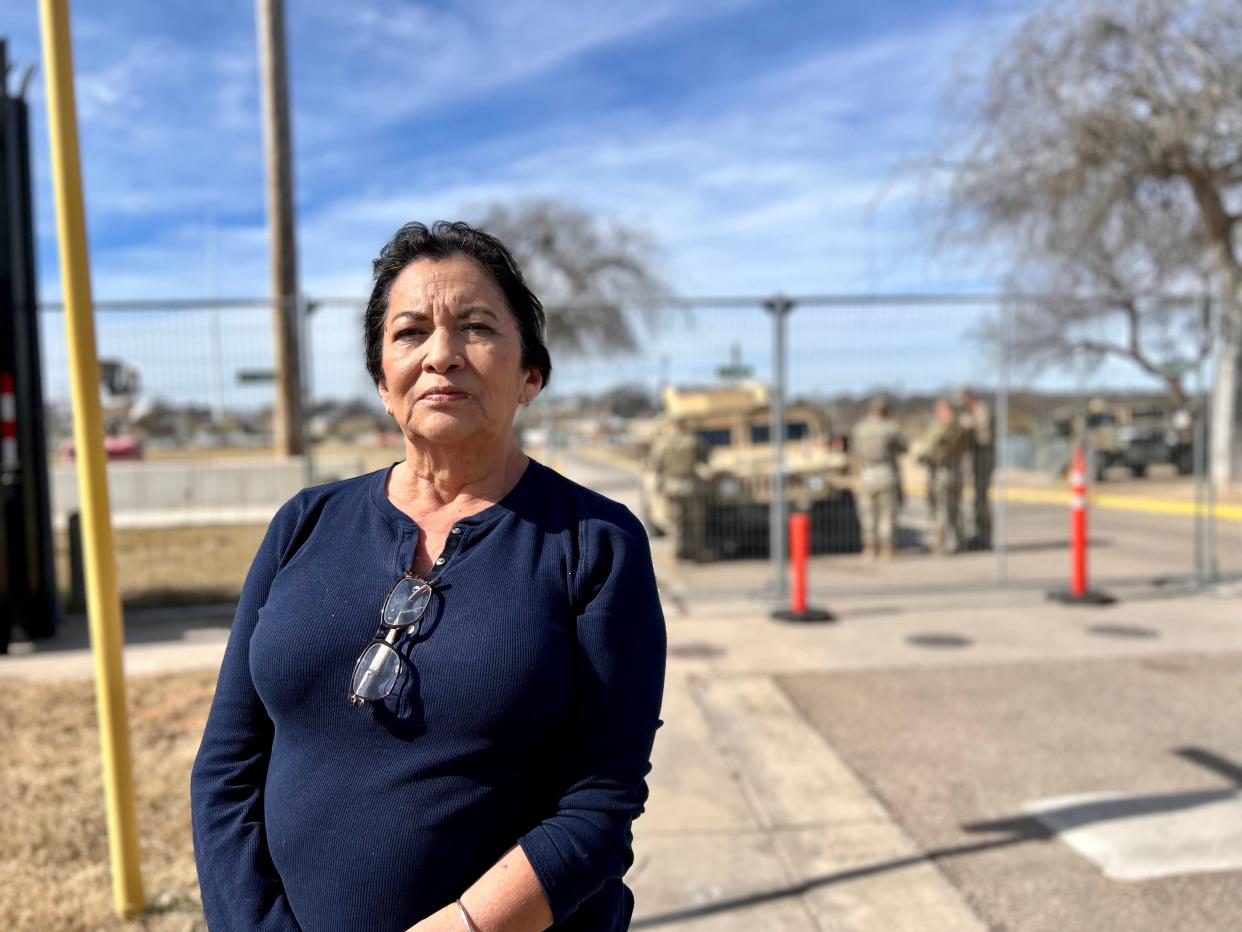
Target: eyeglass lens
{"x": 406, "y": 603}
{"x": 376, "y": 672}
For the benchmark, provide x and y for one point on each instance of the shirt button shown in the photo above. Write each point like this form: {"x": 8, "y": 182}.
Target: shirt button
{"x": 439, "y": 561}
{"x": 456, "y": 530}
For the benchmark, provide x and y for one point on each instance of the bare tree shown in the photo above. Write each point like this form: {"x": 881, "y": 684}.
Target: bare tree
{"x": 1113, "y": 282}
{"x": 1108, "y": 146}
{"x": 593, "y": 278}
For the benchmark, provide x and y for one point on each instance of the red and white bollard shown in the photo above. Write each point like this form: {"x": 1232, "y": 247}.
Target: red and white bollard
{"x": 8, "y": 424}
{"x": 799, "y": 552}
{"x": 1078, "y": 593}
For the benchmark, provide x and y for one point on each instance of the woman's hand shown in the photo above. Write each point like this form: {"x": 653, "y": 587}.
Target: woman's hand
{"x": 447, "y": 919}
{"x": 508, "y": 898}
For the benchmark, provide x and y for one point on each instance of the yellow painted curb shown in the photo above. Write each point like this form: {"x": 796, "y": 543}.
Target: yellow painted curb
{"x": 1144, "y": 504}
{"x": 1137, "y": 503}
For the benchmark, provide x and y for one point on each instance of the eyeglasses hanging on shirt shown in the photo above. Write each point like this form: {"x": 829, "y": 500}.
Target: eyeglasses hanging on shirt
{"x": 379, "y": 666}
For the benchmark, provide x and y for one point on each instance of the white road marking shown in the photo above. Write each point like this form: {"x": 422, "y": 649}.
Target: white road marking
{"x": 1141, "y": 837}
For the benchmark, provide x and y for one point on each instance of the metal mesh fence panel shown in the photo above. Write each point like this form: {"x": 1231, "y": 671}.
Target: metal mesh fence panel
{"x": 920, "y": 350}
{"x": 680, "y": 429}
{"x": 187, "y": 398}
{"x": 910, "y": 352}
{"x": 1145, "y": 459}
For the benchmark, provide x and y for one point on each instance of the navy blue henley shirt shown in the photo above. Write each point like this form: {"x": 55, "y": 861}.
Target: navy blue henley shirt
{"x": 525, "y": 715}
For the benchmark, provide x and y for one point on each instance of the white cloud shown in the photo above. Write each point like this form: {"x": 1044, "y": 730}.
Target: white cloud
{"x": 770, "y": 179}
{"x": 775, "y": 191}
{"x": 389, "y": 59}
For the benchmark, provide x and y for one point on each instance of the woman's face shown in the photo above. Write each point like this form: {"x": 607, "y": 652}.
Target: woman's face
{"x": 452, "y": 356}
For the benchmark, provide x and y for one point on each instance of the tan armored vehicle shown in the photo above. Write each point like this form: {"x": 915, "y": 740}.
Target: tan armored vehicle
{"x": 1130, "y": 435}
{"x": 707, "y": 480}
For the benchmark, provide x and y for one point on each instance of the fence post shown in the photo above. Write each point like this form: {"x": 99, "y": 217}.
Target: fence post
{"x": 779, "y": 307}
{"x": 1000, "y": 529}
{"x": 1214, "y": 311}
{"x": 1198, "y": 444}
{"x": 303, "y": 308}
{"x": 213, "y": 293}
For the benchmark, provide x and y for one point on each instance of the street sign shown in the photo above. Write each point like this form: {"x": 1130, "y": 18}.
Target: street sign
{"x": 250, "y": 376}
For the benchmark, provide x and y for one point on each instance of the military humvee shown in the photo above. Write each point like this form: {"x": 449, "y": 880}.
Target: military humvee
{"x": 1134, "y": 436}
{"x": 707, "y": 480}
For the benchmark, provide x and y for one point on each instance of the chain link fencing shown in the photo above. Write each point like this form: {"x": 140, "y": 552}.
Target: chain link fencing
{"x": 681, "y": 430}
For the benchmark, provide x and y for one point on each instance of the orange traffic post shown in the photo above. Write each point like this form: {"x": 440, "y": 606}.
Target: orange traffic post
{"x": 1078, "y": 593}
{"x": 799, "y": 552}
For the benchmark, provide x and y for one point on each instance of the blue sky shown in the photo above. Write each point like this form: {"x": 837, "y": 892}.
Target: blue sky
{"x": 760, "y": 142}
{"x": 765, "y": 145}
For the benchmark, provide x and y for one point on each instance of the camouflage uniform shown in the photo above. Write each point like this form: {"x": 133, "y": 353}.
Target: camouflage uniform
{"x": 877, "y": 442}
{"x": 977, "y": 421}
{"x": 679, "y": 458}
{"x": 943, "y": 446}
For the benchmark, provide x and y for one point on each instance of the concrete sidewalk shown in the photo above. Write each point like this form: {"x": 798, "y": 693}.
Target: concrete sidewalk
{"x": 754, "y": 821}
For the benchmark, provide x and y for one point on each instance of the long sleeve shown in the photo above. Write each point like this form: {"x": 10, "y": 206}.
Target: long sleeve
{"x": 618, "y": 685}
{"x": 240, "y": 886}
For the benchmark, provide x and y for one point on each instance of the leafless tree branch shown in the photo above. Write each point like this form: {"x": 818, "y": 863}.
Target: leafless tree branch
{"x": 596, "y": 281}
{"x": 1107, "y": 149}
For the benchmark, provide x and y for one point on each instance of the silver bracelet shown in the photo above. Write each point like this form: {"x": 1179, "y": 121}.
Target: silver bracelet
{"x": 465, "y": 917}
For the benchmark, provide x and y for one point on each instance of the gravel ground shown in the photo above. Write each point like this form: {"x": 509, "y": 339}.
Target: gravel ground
{"x": 53, "y": 846}
{"x": 948, "y": 748}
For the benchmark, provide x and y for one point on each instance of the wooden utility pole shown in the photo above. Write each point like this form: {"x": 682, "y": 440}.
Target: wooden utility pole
{"x": 287, "y": 415}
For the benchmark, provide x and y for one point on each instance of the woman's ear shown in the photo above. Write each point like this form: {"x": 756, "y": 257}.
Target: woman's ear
{"x": 382, "y": 390}
{"x": 531, "y": 387}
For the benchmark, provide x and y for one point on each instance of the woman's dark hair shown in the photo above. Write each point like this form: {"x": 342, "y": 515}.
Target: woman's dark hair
{"x": 415, "y": 241}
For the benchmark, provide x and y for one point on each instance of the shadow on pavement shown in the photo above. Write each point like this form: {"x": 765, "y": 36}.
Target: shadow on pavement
{"x": 145, "y": 626}
{"x": 1015, "y": 831}
{"x": 1035, "y": 832}
{"x": 1060, "y": 543}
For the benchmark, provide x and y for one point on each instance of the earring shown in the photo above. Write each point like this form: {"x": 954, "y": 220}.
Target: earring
{"x": 388, "y": 411}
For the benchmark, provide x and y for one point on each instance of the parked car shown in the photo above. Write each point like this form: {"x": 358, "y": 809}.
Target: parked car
{"x": 120, "y": 447}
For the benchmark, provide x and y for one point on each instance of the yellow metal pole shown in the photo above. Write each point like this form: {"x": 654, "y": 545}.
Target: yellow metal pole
{"x": 102, "y": 604}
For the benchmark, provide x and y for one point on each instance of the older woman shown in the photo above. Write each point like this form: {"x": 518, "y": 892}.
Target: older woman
{"x": 438, "y": 701}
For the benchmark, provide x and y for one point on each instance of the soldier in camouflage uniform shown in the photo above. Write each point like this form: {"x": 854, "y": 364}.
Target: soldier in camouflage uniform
{"x": 679, "y": 458}
{"x": 976, "y": 420}
{"x": 943, "y": 446}
{"x": 877, "y": 441}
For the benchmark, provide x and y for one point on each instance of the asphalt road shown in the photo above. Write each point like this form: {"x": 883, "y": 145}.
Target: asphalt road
{"x": 960, "y": 753}
{"x": 956, "y": 754}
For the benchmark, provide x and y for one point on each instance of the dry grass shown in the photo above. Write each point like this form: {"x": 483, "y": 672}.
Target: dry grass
{"x": 53, "y": 844}
{"x": 177, "y": 566}
{"x": 195, "y": 565}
